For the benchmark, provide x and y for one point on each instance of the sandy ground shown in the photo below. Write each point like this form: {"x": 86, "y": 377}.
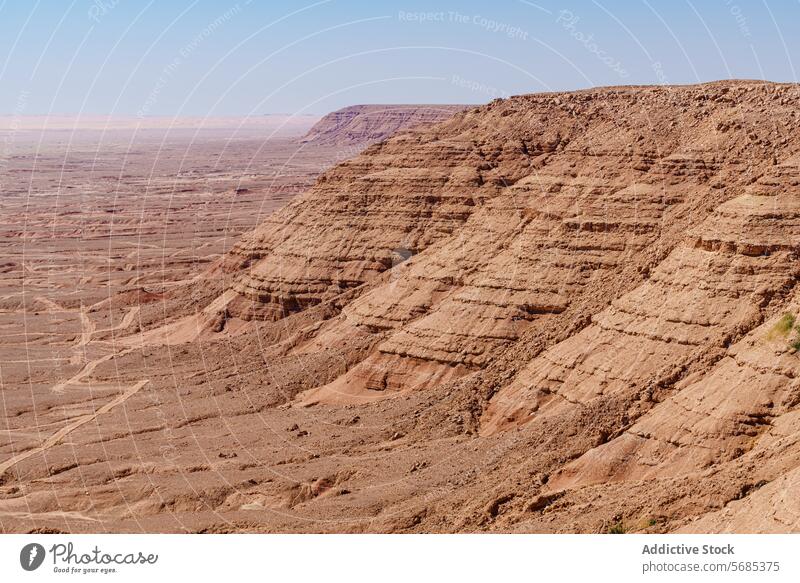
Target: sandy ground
{"x": 116, "y": 205}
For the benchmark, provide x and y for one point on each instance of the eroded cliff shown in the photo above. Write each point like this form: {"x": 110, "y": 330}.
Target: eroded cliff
{"x": 559, "y": 252}
{"x": 553, "y": 313}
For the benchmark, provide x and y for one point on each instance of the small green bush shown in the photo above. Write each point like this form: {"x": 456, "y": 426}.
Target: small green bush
{"x": 617, "y": 528}
{"x": 788, "y": 328}
{"x": 784, "y": 325}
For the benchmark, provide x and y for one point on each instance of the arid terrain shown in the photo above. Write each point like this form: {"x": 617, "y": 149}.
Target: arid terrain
{"x": 561, "y": 312}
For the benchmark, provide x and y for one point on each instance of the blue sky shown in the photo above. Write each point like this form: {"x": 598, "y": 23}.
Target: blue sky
{"x": 202, "y": 57}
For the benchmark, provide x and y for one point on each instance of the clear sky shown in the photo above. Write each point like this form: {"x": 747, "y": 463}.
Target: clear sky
{"x": 203, "y": 57}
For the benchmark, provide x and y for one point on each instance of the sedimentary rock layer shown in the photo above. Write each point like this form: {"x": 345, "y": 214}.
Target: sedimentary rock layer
{"x": 501, "y": 218}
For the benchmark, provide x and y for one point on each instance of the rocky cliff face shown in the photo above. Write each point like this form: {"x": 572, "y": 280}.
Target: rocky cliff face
{"x": 361, "y": 125}
{"x": 597, "y": 286}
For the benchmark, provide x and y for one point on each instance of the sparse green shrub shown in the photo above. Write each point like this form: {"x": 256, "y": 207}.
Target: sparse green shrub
{"x": 617, "y": 528}
{"x": 788, "y": 328}
{"x": 783, "y": 326}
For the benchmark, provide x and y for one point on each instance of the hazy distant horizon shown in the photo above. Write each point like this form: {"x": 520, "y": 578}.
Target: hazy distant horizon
{"x": 198, "y": 57}
{"x": 319, "y": 114}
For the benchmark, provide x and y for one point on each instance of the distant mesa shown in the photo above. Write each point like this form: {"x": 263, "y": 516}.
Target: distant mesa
{"x": 362, "y": 125}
